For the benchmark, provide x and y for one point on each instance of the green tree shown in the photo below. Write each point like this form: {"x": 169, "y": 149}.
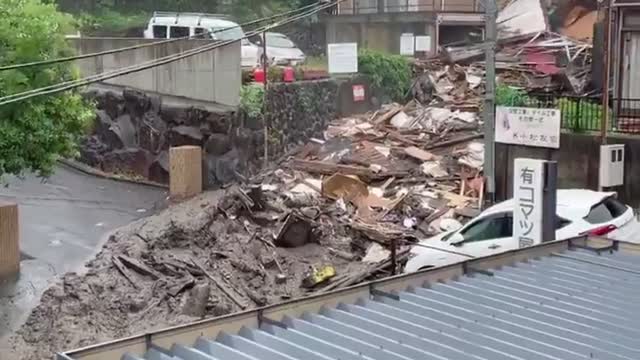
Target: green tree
{"x": 36, "y": 132}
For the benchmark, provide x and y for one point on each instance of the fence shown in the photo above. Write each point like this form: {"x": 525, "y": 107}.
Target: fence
{"x": 584, "y": 113}
{"x": 353, "y": 7}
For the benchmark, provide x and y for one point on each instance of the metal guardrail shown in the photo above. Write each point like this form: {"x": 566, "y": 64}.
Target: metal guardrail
{"x": 188, "y": 334}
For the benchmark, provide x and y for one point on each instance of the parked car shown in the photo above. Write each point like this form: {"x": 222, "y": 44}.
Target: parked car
{"x": 578, "y": 212}
{"x": 281, "y": 50}
{"x": 171, "y": 25}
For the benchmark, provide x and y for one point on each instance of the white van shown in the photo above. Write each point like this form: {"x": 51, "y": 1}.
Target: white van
{"x": 171, "y": 25}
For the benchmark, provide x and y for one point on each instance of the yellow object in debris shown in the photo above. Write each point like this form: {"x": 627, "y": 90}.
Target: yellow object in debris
{"x": 319, "y": 275}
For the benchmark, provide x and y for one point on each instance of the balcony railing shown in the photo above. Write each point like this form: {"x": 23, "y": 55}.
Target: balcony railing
{"x": 354, "y": 7}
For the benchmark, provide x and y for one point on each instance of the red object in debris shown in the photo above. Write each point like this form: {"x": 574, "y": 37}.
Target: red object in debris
{"x": 258, "y": 75}
{"x": 543, "y": 63}
{"x": 601, "y": 231}
{"x": 358, "y": 93}
{"x": 288, "y": 74}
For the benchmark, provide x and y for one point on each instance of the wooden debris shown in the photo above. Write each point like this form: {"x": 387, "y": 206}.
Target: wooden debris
{"x": 419, "y": 154}
{"x": 228, "y": 292}
{"x": 123, "y": 271}
{"x": 467, "y": 212}
{"x": 454, "y": 141}
{"x": 181, "y": 286}
{"x": 342, "y": 254}
{"x": 139, "y": 267}
{"x": 378, "y": 232}
{"x": 295, "y": 232}
{"x": 354, "y": 278}
{"x": 387, "y": 116}
{"x": 324, "y": 168}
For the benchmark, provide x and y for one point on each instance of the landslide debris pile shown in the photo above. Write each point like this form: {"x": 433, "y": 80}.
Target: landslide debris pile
{"x": 325, "y": 218}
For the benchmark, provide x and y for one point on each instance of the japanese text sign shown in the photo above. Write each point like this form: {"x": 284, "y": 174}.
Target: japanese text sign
{"x": 528, "y": 187}
{"x": 528, "y": 126}
{"x": 358, "y": 93}
{"x": 343, "y": 58}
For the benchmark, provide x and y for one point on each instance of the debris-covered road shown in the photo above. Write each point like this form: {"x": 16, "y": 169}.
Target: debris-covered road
{"x": 323, "y": 218}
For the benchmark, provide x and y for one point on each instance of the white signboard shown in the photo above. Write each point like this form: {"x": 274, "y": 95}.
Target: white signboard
{"x": 528, "y": 184}
{"x": 423, "y": 43}
{"x": 407, "y": 44}
{"x": 528, "y": 126}
{"x": 343, "y": 58}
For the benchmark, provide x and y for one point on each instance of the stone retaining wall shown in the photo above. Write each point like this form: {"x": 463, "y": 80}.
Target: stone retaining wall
{"x": 133, "y": 130}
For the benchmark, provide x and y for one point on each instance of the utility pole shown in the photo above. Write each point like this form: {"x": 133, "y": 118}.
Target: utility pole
{"x": 265, "y": 68}
{"x": 491, "y": 34}
{"x": 605, "y": 12}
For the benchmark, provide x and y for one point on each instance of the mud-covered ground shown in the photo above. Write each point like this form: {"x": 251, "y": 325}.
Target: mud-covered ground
{"x": 150, "y": 275}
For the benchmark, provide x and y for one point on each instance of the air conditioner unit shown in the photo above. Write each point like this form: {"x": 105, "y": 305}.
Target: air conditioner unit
{"x": 611, "y": 165}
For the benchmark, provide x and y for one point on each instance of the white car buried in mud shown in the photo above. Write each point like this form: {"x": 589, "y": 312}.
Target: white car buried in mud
{"x": 578, "y": 212}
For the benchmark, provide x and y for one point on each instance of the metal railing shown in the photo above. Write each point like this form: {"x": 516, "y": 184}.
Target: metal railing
{"x": 355, "y": 7}
{"x": 626, "y": 116}
{"x": 585, "y": 113}
{"x": 578, "y": 113}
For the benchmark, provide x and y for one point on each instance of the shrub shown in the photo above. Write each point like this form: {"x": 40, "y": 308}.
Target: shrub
{"x": 252, "y": 100}
{"x": 34, "y": 133}
{"x": 390, "y": 74}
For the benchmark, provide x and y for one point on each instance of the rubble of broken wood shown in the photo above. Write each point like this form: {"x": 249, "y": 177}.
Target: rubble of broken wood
{"x": 538, "y": 62}
{"x": 341, "y": 209}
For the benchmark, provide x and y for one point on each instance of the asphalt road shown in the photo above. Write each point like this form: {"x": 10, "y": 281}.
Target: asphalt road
{"x": 63, "y": 222}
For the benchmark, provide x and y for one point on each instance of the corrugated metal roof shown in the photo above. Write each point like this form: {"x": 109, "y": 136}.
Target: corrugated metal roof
{"x": 574, "y": 305}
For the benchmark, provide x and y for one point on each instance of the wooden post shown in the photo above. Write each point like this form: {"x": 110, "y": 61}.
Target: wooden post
{"x": 9, "y": 246}
{"x": 185, "y": 171}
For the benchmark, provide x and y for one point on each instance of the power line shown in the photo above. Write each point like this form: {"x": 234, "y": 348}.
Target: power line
{"x": 140, "y": 46}
{"x": 52, "y": 89}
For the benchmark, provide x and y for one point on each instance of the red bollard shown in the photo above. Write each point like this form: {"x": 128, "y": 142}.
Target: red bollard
{"x": 258, "y": 75}
{"x": 289, "y": 74}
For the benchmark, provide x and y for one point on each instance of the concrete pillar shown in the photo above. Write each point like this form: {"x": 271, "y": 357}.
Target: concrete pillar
{"x": 9, "y": 237}
{"x": 332, "y": 36}
{"x": 185, "y": 171}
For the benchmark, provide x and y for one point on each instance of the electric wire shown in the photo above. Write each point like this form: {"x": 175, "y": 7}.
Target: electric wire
{"x": 56, "y": 88}
{"x": 155, "y": 43}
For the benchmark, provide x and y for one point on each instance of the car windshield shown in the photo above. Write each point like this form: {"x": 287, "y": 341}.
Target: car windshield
{"x": 226, "y": 33}
{"x": 279, "y": 41}
{"x": 605, "y": 211}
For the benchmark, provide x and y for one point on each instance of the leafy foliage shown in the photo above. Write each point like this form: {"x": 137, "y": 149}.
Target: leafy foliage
{"x": 252, "y": 100}
{"x": 34, "y": 133}
{"x": 510, "y": 96}
{"x": 577, "y": 114}
{"x": 116, "y": 16}
{"x": 388, "y": 73}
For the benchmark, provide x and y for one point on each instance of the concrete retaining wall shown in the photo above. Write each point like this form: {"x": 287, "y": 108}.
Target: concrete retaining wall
{"x": 578, "y": 164}
{"x": 213, "y": 76}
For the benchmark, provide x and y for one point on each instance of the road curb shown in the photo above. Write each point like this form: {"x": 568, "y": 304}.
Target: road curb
{"x": 86, "y": 169}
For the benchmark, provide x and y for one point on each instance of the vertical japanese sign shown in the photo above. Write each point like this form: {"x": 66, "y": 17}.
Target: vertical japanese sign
{"x": 528, "y": 188}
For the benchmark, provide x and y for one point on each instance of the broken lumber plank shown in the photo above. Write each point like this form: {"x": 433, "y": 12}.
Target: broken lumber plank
{"x": 230, "y": 293}
{"x": 454, "y": 141}
{"x": 139, "y": 267}
{"x": 388, "y": 115}
{"x": 419, "y": 154}
{"x": 324, "y": 168}
{"x": 123, "y": 271}
{"x": 181, "y": 285}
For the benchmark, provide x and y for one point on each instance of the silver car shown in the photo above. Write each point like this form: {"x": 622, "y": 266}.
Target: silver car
{"x": 281, "y": 50}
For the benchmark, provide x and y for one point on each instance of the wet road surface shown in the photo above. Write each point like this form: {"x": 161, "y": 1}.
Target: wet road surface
{"x": 63, "y": 222}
